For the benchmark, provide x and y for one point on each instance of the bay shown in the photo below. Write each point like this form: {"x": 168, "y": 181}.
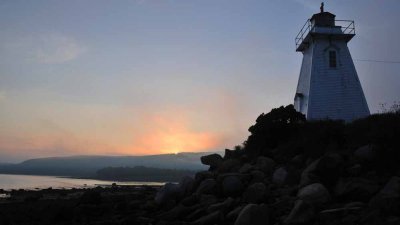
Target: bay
{"x": 31, "y": 182}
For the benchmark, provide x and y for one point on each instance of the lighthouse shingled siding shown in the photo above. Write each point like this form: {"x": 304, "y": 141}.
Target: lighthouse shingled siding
{"x": 333, "y": 93}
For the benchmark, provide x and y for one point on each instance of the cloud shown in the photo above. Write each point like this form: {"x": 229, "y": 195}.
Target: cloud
{"x": 44, "y": 48}
{"x": 57, "y": 49}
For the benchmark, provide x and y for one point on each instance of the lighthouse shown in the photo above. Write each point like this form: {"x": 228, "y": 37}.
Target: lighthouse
{"x": 328, "y": 86}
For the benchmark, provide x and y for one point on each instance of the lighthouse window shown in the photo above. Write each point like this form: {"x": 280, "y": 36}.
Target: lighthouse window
{"x": 332, "y": 59}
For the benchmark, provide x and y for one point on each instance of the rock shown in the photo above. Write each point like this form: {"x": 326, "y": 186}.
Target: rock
{"x": 329, "y": 215}
{"x": 355, "y": 170}
{"x": 388, "y": 199}
{"x": 243, "y": 177}
{"x": 282, "y": 205}
{"x": 196, "y": 214}
{"x": 265, "y": 164}
{"x": 213, "y": 218}
{"x": 287, "y": 190}
{"x": 232, "y": 154}
{"x": 279, "y": 176}
{"x": 365, "y": 153}
{"x": 202, "y": 175}
{"x": 308, "y": 176}
{"x": 232, "y": 186}
{"x": 255, "y": 193}
{"x": 213, "y": 160}
{"x": 302, "y": 213}
{"x": 293, "y": 175}
{"x": 257, "y": 176}
{"x": 253, "y": 214}
{"x": 232, "y": 215}
{"x": 329, "y": 168}
{"x": 207, "y": 186}
{"x": 355, "y": 205}
{"x": 222, "y": 206}
{"x": 186, "y": 185}
{"x": 167, "y": 194}
{"x": 314, "y": 194}
{"x": 190, "y": 200}
{"x": 392, "y": 220}
{"x": 298, "y": 161}
{"x": 355, "y": 189}
{"x": 246, "y": 168}
{"x": 176, "y": 212}
{"x": 207, "y": 200}
{"x": 229, "y": 165}
{"x": 325, "y": 170}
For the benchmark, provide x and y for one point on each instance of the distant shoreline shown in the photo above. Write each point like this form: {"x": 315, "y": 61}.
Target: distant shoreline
{"x": 10, "y": 182}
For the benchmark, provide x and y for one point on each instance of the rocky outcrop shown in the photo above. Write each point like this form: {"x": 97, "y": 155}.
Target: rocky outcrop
{"x": 294, "y": 172}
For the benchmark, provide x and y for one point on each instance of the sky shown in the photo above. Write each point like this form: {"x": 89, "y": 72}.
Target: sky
{"x": 99, "y": 77}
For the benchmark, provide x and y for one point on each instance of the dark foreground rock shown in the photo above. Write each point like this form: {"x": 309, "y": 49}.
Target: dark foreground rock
{"x": 290, "y": 171}
{"x": 112, "y": 205}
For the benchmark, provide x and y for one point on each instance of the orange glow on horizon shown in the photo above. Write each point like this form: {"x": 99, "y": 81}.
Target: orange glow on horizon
{"x": 164, "y": 132}
{"x": 172, "y": 136}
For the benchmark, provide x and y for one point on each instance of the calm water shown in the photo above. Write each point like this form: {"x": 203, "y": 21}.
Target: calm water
{"x": 8, "y": 182}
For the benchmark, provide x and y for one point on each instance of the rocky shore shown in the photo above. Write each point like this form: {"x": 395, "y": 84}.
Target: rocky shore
{"x": 100, "y": 205}
{"x": 289, "y": 171}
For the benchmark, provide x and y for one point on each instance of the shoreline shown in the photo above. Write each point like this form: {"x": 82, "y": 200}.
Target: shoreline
{"x": 40, "y": 182}
{"x": 99, "y": 205}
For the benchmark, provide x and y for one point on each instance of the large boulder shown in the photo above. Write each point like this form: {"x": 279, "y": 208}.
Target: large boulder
{"x": 207, "y": 200}
{"x": 265, "y": 164}
{"x": 356, "y": 189}
{"x": 186, "y": 185}
{"x": 207, "y": 186}
{"x": 176, "y": 212}
{"x": 255, "y": 193}
{"x": 302, "y": 213}
{"x": 308, "y": 175}
{"x": 257, "y": 176}
{"x": 329, "y": 168}
{"x": 388, "y": 199}
{"x": 168, "y": 194}
{"x": 246, "y": 168}
{"x": 212, "y": 218}
{"x": 229, "y": 165}
{"x": 232, "y": 215}
{"x": 232, "y": 186}
{"x": 325, "y": 170}
{"x": 224, "y": 206}
{"x": 298, "y": 161}
{"x": 202, "y": 175}
{"x": 253, "y": 214}
{"x": 279, "y": 176}
{"x": 213, "y": 160}
{"x": 365, "y": 153}
{"x": 315, "y": 194}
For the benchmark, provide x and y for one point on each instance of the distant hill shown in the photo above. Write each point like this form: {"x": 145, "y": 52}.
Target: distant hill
{"x": 141, "y": 173}
{"x": 86, "y": 166}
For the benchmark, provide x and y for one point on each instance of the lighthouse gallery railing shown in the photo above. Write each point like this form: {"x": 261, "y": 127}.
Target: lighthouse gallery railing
{"x": 347, "y": 27}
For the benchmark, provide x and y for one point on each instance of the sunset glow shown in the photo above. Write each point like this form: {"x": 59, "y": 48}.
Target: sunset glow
{"x": 150, "y": 77}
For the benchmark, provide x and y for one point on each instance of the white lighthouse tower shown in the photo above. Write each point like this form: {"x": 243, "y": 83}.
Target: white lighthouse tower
{"x": 328, "y": 86}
